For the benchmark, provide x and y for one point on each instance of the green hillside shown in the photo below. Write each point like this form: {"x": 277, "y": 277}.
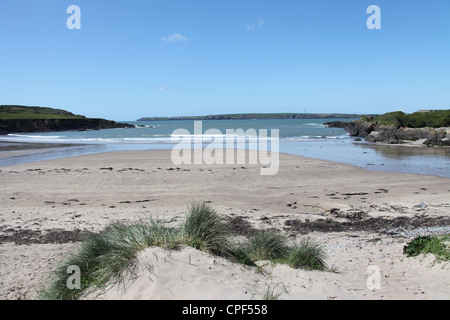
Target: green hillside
{"x": 420, "y": 119}
{"x": 8, "y": 112}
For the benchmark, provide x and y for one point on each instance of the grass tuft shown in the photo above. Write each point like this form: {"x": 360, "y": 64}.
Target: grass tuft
{"x": 204, "y": 229}
{"x": 271, "y": 294}
{"x": 306, "y": 255}
{"x": 265, "y": 245}
{"x": 273, "y": 246}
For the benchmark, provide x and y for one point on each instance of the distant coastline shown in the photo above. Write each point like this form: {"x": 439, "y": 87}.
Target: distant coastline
{"x": 250, "y": 116}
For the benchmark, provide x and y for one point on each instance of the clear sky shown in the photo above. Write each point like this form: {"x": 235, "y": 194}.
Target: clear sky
{"x": 139, "y": 58}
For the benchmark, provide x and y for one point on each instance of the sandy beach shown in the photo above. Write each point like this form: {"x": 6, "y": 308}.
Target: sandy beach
{"x": 362, "y": 218}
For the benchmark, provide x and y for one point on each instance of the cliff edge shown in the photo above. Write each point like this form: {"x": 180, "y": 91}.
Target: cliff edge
{"x": 21, "y": 119}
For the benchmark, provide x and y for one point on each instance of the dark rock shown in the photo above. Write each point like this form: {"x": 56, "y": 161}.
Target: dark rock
{"x": 373, "y": 132}
{"x": 355, "y": 128}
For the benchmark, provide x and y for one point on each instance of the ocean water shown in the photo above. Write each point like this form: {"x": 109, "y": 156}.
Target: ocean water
{"x": 306, "y": 137}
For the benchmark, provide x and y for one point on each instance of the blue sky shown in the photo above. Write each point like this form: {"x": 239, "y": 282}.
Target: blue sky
{"x": 196, "y": 57}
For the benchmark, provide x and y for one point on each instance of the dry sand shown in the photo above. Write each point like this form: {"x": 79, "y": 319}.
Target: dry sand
{"x": 48, "y": 207}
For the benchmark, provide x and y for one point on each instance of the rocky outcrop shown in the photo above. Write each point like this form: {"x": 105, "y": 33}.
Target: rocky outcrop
{"x": 355, "y": 128}
{"x": 49, "y": 125}
{"x": 373, "y": 132}
{"x": 429, "y": 136}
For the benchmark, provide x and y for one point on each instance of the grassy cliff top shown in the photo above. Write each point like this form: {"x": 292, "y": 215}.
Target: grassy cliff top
{"x": 420, "y": 119}
{"x": 8, "y": 112}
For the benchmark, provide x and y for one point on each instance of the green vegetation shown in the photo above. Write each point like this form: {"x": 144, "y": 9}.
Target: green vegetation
{"x": 205, "y": 230}
{"x": 251, "y": 116}
{"x": 270, "y": 294}
{"x": 273, "y": 246}
{"x": 307, "y": 255}
{"x": 420, "y": 119}
{"x": 109, "y": 256}
{"x": 436, "y": 245}
{"x": 265, "y": 245}
{"x": 31, "y": 113}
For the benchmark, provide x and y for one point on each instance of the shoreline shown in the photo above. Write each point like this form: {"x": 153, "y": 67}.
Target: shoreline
{"x": 408, "y": 144}
{"x": 66, "y": 199}
{"x": 13, "y": 153}
{"x": 16, "y": 145}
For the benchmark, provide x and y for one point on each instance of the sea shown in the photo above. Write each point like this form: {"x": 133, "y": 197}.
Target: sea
{"x": 305, "y": 137}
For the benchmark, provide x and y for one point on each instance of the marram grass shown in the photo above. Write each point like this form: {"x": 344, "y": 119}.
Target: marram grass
{"x": 306, "y": 255}
{"x": 206, "y": 230}
{"x": 266, "y": 245}
{"x": 109, "y": 257}
{"x": 273, "y": 246}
